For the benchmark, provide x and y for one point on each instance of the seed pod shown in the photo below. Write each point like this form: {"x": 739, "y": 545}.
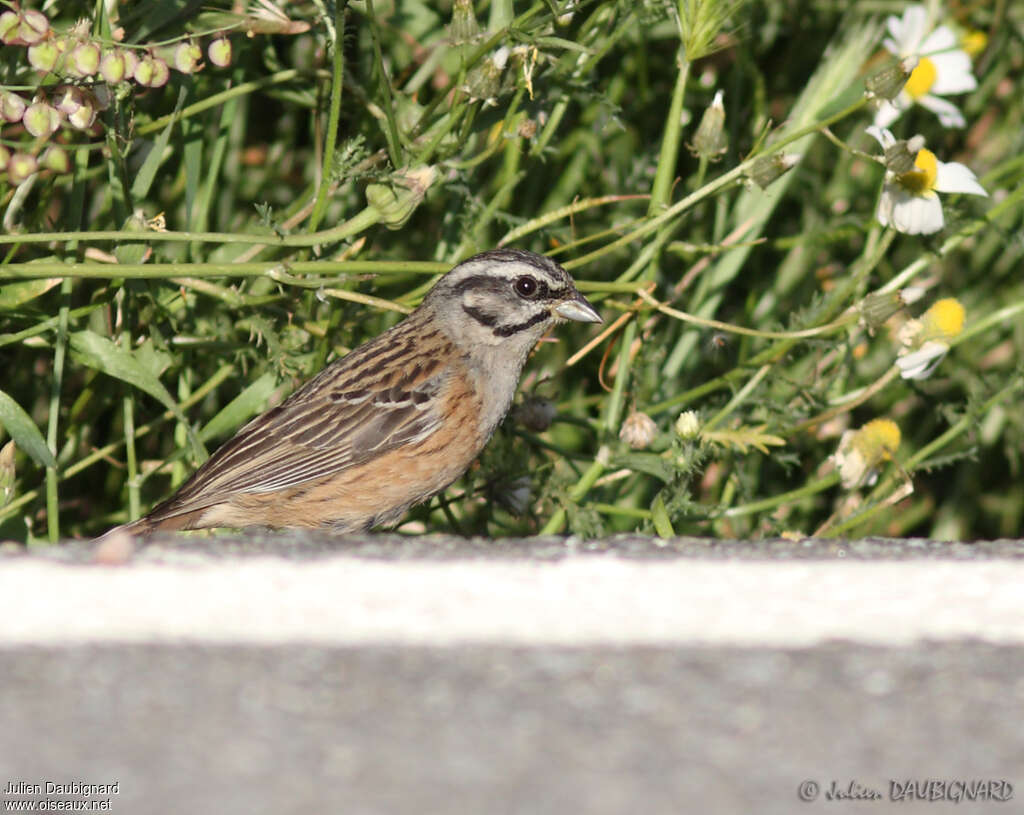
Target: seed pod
{"x": 83, "y": 118}
{"x": 131, "y": 62}
{"x": 84, "y": 60}
{"x": 112, "y": 66}
{"x": 41, "y": 120}
{"x": 56, "y": 159}
{"x": 33, "y": 26}
{"x": 638, "y": 430}
{"x": 20, "y": 167}
{"x": 219, "y": 52}
{"x": 43, "y": 55}
{"x": 187, "y": 58}
{"x": 12, "y": 106}
{"x": 9, "y": 27}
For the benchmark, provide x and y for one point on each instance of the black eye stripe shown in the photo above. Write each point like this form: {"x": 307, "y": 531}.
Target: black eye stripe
{"x": 509, "y": 330}
{"x": 481, "y": 316}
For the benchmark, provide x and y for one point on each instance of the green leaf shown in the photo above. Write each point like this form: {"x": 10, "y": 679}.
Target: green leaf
{"x": 157, "y": 155}
{"x": 650, "y": 463}
{"x": 94, "y": 351}
{"x": 24, "y": 431}
{"x": 13, "y": 295}
{"x": 240, "y": 409}
{"x": 659, "y": 515}
{"x": 98, "y": 352}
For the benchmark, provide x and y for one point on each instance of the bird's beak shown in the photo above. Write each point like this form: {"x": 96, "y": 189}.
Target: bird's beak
{"x": 577, "y": 309}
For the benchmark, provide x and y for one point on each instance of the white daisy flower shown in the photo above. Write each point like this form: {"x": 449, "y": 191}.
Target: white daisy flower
{"x": 924, "y": 343}
{"x": 909, "y": 201}
{"x": 862, "y": 452}
{"x": 943, "y": 68}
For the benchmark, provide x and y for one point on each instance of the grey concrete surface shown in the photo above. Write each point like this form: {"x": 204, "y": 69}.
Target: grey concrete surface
{"x": 293, "y": 674}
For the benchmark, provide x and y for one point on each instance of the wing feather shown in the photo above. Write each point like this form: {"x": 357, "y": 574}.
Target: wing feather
{"x": 326, "y": 427}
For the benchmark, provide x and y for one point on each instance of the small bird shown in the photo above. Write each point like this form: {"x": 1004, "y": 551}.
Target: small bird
{"x": 394, "y": 421}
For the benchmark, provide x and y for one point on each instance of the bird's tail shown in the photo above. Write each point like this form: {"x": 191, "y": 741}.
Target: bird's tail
{"x": 135, "y": 529}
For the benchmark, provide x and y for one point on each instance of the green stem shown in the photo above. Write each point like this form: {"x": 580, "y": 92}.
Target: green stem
{"x": 557, "y": 520}
{"x": 53, "y": 418}
{"x": 783, "y": 499}
{"x": 661, "y": 190}
{"x": 333, "y": 114}
{"x": 391, "y": 129}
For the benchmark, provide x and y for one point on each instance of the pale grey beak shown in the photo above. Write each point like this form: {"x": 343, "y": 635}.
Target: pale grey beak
{"x": 577, "y": 309}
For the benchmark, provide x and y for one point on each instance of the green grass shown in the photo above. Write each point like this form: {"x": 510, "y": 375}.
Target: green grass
{"x": 311, "y": 194}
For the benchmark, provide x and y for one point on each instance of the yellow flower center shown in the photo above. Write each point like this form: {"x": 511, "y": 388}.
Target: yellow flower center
{"x": 922, "y": 179}
{"x": 878, "y": 440}
{"x": 943, "y": 321}
{"x": 922, "y": 78}
{"x": 974, "y": 42}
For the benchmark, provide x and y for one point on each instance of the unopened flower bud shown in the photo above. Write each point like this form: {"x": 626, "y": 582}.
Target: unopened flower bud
{"x": 84, "y": 60}
{"x": 484, "y": 81}
{"x": 638, "y": 430}
{"x": 41, "y": 120}
{"x": 464, "y": 27}
{"x": 710, "y": 141}
{"x": 20, "y": 167}
{"x": 767, "y": 169}
{"x": 688, "y": 425}
{"x": 397, "y": 201}
{"x": 876, "y": 309}
{"x": 187, "y": 58}
{"x": 219, "y": 52}
{"x": 889, "y": 81}
{"x": 112, "y": 67}
{"x": 5, "y": 156}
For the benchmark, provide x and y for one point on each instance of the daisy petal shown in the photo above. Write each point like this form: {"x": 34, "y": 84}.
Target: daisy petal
{"x": 887, "y": 113}
{"x": 948, "y": 113}
{"x": 921, "y": 363}
{"x": 955, "y": 177}
{"x": 911, "y": 29}
{"x": 939, "y": 41}
{"x": 917, "y": 215}
{"x": 880, "y": 135}
{"x": 953, "y": 73}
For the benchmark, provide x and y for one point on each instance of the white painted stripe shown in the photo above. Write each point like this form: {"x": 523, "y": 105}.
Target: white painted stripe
{"x": 578, "y": 601}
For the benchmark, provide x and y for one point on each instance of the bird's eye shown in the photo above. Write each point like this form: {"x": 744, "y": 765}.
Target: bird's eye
{"x": 525, "y": 286}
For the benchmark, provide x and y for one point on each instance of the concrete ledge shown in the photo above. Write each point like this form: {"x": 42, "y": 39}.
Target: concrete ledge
{"x": 575, "y": 599}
